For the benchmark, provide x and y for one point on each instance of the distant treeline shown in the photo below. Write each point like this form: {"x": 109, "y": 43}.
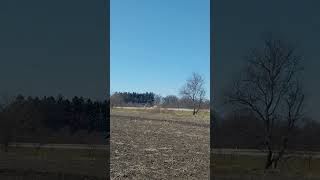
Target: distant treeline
{"x": 151, "y": 99}
{"x": 172, "y": 101}
{"x": 42, "y": 117}
{"x": 136, "y": 98}
{"x": 241, "y": 129}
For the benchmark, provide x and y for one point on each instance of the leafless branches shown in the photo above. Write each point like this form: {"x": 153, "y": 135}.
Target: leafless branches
{"x": 194, "y": 90}
{"x": 270, "y": 88}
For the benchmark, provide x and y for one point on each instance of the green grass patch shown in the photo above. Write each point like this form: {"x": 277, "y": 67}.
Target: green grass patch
{"x": 242, "y": 164}
{"x": 55, "y": 154}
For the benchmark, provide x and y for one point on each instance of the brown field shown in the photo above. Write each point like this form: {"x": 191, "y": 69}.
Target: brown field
{"x": 53, "y": 164}
{"x": 247, "y": 167}
{"x": 159, "y": 145}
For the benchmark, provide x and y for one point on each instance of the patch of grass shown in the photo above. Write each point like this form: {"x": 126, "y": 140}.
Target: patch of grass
{"x": 202, "y": 115}
{"x": 55, "y": 154}
{"x": 51, "y": 163}
{"x": 6, "y": 174}
{"x": 226, "y": 165}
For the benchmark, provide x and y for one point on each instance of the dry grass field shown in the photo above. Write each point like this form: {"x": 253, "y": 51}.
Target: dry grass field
{"x": 245, "y": 167}
{"x": 53, "y": 164}
{"x": 159, "y": 145}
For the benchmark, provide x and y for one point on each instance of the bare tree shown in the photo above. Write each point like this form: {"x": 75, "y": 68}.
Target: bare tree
{"x": 185, "y": 102}
{"x": 171, "y": 101}
{"x": 157, "y": 100}
{"x": 7, "y": 130}
{"x": 194, "y": 90}
{"x": 116, "y": 100}
{"x": 7, "y": 122}
{"x": 270, "y": 88}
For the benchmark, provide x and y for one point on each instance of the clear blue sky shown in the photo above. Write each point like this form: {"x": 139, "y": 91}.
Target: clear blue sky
{"x": 157, "y": 44}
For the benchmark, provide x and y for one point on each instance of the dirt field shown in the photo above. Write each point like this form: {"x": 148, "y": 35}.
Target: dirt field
{"x": 159, "y": 145}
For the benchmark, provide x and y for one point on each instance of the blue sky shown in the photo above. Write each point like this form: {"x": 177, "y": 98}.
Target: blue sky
{"x": 157, "y": 44}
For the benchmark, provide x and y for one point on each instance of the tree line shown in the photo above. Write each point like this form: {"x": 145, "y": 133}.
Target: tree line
{"x": 242, "y": 129}
{"x": 173, "y": 101}
{"x": 38, "y": 118}
{"x": 170, "y": 101}
{"x": 192, "y": 96}
{"x": 133, "y": 98}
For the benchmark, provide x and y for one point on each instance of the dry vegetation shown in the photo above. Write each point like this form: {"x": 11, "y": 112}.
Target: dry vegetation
{"x": 29, "y": 163}
{"x": 241, "y": 167}
{"x": 159, "y": 145}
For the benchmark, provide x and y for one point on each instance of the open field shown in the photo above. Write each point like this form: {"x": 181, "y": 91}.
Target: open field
{"x": 242, "y": 167}
{"x": 162, "y": 114}
{"x": 152, "y": 144}
{"x": 165, "y": 109}
{"x": 53, "y": 163}
{"x": 256, "y": 152}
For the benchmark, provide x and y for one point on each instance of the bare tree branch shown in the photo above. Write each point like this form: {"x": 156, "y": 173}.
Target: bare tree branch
{"x": 269, "y": 89}
{"x": 194, "y": 90}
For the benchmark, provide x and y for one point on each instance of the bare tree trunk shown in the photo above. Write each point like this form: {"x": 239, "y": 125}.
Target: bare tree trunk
{"x": 275, "y": 163}
{"x": 199, "y": 105}
{"x": 281, "y": 152}
{"x": 6, "y": 147}
{"x": 269, "y": 160}
{"x": 309, "y": 161}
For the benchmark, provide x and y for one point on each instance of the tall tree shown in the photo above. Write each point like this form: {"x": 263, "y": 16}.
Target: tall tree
{"x": 194, "y": 90}
{"x": 270, "y": 88}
